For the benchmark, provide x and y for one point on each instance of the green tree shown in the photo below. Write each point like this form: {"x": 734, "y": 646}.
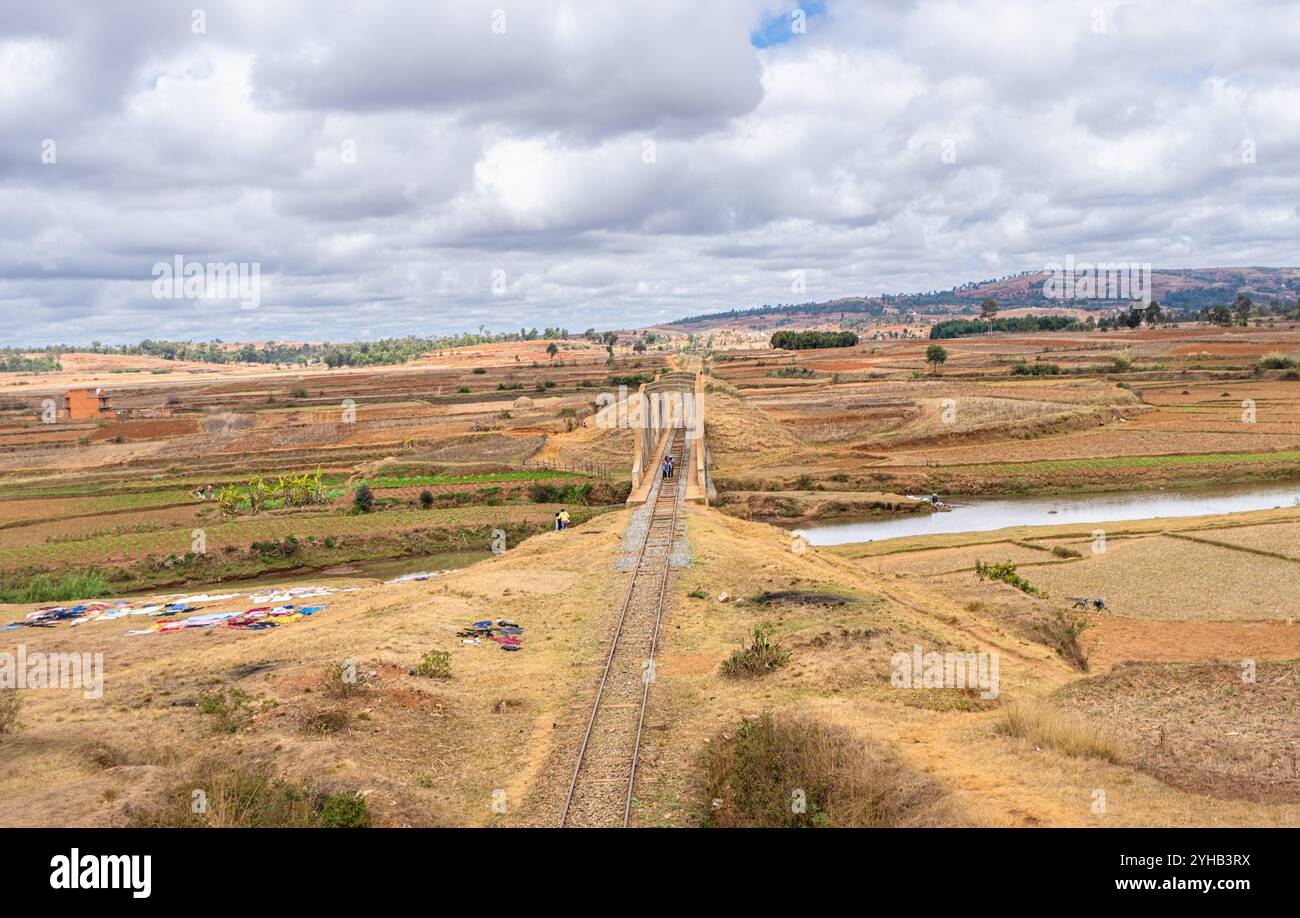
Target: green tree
{"x": 364, "y": 499}
{"x": 1241, "y": 308}
{"x": 936, "y": 356}
{"x": 989, "y": 310}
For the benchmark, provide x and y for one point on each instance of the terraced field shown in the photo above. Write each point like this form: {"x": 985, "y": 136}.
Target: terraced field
{"x": 463, "y": 426}
{"x": 1175, "y": 406}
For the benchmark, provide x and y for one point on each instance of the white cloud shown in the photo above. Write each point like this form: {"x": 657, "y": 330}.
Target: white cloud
{"x": 524, "y": 152}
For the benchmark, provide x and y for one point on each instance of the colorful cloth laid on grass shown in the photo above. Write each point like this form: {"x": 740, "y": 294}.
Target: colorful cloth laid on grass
{"x": 173, "y": 604}
{"x": 503, "y": 631}
{"x": 260, "y": 618}
{"x": 272, "y": 597}
{"x": 94, "y": 611}
{"x": 421, "y": 576}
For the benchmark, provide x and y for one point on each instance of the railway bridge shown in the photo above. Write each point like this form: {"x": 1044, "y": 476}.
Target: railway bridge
{"x": 667, "y": 410}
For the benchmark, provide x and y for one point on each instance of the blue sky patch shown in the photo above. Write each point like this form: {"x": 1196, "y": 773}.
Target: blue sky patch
{"x": 779, "y": 29}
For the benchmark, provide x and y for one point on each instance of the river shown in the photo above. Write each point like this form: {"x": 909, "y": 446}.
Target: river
{"x": 980, "y": 514}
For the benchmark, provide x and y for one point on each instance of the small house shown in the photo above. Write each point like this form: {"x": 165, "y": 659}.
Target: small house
{"x": 86, "y": 404}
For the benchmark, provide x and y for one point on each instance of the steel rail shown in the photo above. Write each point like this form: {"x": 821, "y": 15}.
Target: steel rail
{"x": 618, "y": 633}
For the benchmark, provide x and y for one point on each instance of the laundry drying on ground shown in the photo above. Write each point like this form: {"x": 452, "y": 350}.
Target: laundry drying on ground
{"x": 504, "y": 632}
{"x": 165, "y": 605}
{"x": 421, "y": 576}
{"x": 257, "y": 619}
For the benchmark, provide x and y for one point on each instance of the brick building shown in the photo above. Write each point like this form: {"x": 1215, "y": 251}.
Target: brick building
{"x": 84, "y": 404}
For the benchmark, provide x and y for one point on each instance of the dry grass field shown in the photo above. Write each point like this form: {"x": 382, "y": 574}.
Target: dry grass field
{"x": 435, "y": 751}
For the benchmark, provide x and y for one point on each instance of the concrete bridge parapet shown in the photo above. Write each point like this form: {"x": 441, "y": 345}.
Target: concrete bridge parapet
{"x": 674, "y": 401}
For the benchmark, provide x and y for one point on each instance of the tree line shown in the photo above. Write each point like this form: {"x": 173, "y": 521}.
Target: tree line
{"x": 14, "y": 361}
{"x": 960, "y": 328}
{"x": 384, "y": 351}
{"x": 803, "y": 340}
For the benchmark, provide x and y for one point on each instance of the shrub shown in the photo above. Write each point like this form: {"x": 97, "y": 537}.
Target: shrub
{"x": 426, "y": 499}
{"x": 87, "y": 585}
{"x": 271, "y": 549}
{"x": 479, "y": 371}
{"x": 1060, "y": 632}
{"x": 436, "y": 664}
{"x": 364, "y": 499}
{"x": 298, "y": 392}
{"x": 230, "y": 709}
{"x": 1006, "y": 572}
{"x": 796, "y": 771}
{"x": 631, "y": 381}
{"x": 344, "y": 811}
{"x": 545, "y": 493}
{"x": 1064, "y": 551}
{"x": 760, "y": 657}
{"x": 1036, "y": 369}
{"x": 1276, "y": 361}
{"x": 462, "y": 389}
{"x": 325, "y": 720}
{"x": 1047, "y": 727}
{"x": 343, "y": 681}
{"x": 250, "y": 797}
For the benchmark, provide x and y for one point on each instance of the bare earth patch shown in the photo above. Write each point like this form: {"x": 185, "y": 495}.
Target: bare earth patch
{"x": 1201, "y": 727}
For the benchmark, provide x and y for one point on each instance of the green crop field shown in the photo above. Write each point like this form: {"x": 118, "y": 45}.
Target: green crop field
{"x": 1127, "y": 462}
{"x": 418, "y": 480}
{"x": 243, "y": 532}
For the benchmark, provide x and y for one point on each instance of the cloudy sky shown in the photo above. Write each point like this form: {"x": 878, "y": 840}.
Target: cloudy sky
{"x": 418, "y": 167}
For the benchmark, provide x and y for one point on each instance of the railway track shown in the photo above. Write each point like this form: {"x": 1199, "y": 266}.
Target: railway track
{"x": 604, "y": 776}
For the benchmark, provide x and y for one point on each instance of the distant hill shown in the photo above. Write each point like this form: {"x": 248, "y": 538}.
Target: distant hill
{"x": 1177, "y": 289}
